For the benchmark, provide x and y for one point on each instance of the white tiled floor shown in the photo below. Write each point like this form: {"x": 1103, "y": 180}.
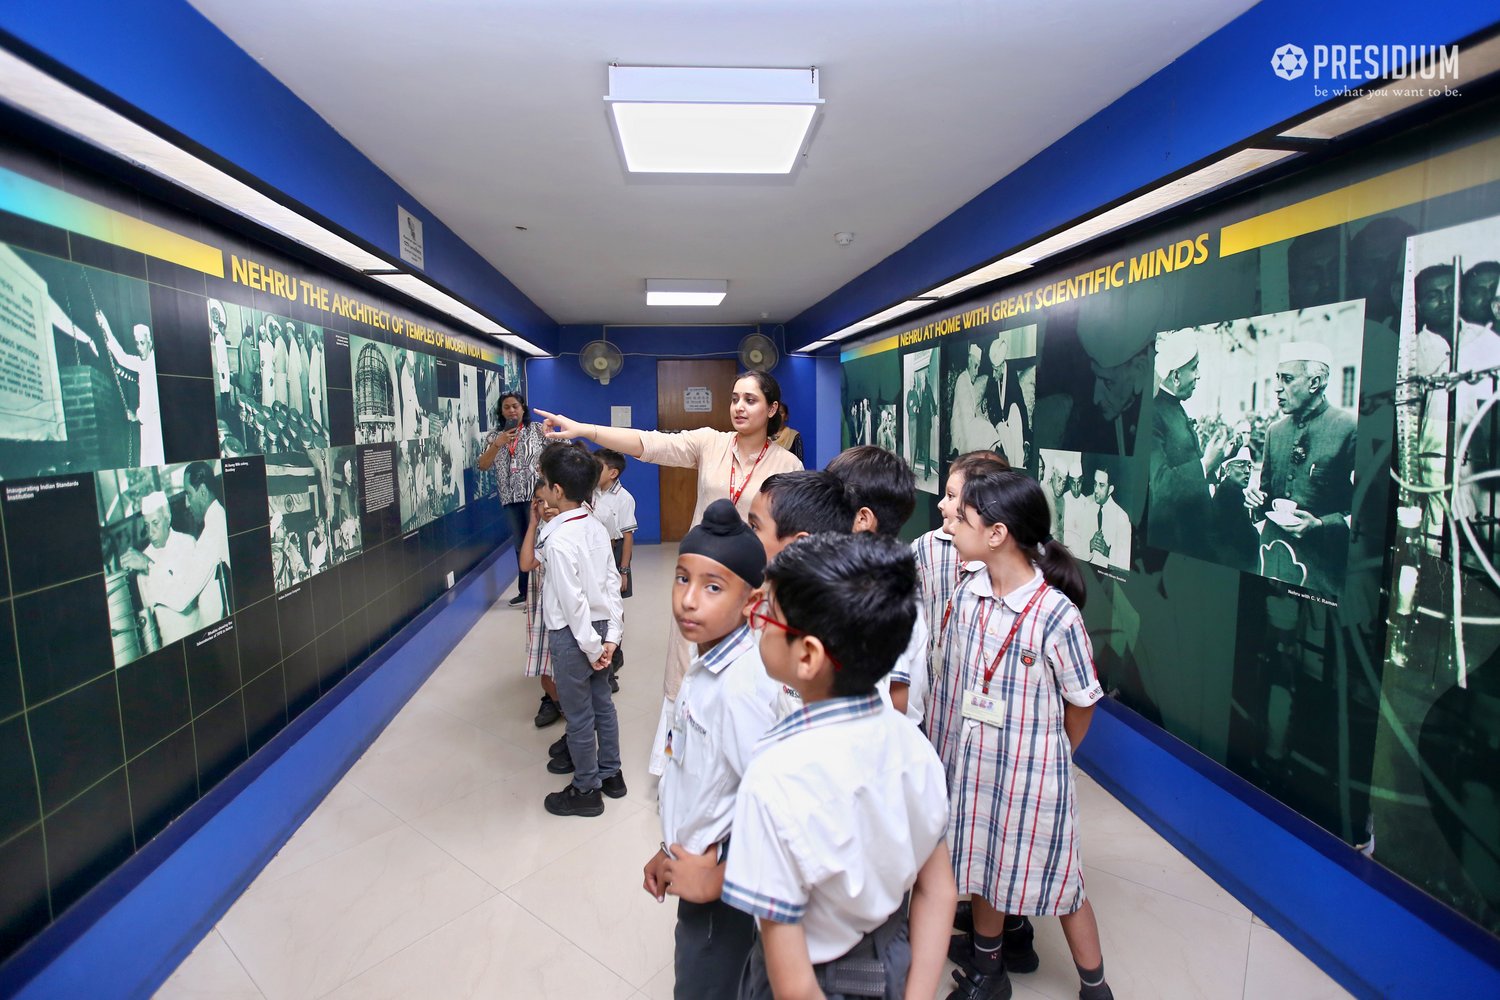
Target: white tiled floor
{"x": 432, "y": 870}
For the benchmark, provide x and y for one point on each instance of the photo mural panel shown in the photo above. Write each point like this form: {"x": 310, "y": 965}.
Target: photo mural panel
{"x": 1274, "y": 444}
{"x": 209, "y": 453}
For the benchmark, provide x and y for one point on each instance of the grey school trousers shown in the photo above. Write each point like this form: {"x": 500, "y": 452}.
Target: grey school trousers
{"x": 584, "y": 695}
{"x": 713, "y": 941}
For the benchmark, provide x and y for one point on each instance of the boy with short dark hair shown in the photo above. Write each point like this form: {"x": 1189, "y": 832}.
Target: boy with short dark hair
{"x": 844, "y": 809}
{"x": 885, "y": 491}
{"x": 792, "y": 505}
{"x": 724, "y": 707}
{"x": 582, "y": 612}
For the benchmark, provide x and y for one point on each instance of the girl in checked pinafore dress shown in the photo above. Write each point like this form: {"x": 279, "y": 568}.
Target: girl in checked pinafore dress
{"x": 538, "y": 650}
{"x": 1015, "y": 694}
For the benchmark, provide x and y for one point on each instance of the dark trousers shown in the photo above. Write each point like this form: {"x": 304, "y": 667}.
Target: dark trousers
{"x": 875, "y": 967}
{"x": 583, "y": 693}
{"x": 517, "y": 517}
{"x": 713, "y": 941}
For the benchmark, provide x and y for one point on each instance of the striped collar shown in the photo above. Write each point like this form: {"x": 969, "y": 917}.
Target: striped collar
{"x": 729, "y": 649}
{"x": 825, "y": 713}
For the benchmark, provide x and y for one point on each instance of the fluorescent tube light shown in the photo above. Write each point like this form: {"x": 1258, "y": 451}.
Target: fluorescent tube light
{"x": 34, "y": 92}
{"x": 706, "y": 120}
{"x": 1379, "y": 102}
{"x": 685, "y": 291}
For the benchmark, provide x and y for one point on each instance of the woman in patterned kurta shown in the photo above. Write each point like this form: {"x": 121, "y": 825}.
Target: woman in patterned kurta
{"x": 1007, "y": 739}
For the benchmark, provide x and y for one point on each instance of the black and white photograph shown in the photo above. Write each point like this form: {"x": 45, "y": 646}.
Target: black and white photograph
{"x": 380, "y": 408}
{"x": 270, "y": 381}
{"x": 989, "y": 392}
{"x": 920, "y": 374}
{"x": 429, "y": 477}
{"x": 165, "y": 541}
{"x": 78, "y": 354}
{"x": 494, "y": 384}
{"x": 1449, "y": 369}
{"x": 313, "y": 501}
{"x": 1271, "y": 400}
{"x": 471, "y": 430}
{"x": 871, "y": 395}
{"x": 885, "y": 428}
{"x": 1094, "y": 371}
{"x": 1090, "y": 500}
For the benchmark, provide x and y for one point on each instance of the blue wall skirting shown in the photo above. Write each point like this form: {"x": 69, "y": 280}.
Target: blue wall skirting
{"x": 129, "y": 934}
{"x": 1375, "y": 933}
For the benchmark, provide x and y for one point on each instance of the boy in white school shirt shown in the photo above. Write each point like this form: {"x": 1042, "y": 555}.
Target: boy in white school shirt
{"x": 582, "y": 613}
{"x": 724, "y": 707}
{"x": 843, "y": 810}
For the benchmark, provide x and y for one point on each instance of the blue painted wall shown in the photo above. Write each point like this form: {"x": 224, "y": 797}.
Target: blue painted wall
{"x": 1212, "y": 98}
{"x": 168, "y": 61}
{"x": 560, "y": 382}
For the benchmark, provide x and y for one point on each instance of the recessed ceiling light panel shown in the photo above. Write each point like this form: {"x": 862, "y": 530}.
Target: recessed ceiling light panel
{"x": 701, "y": 120}
{"x": 685, "y": 291}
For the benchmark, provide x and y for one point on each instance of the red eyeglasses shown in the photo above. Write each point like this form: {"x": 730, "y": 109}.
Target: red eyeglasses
{"x": 759, "y": 620}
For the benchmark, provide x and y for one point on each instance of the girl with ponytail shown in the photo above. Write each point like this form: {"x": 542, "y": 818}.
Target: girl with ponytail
{"x": 1011, "y": 701}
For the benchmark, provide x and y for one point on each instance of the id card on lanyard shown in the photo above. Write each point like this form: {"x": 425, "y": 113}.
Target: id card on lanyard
{"x": 980, "y": 705}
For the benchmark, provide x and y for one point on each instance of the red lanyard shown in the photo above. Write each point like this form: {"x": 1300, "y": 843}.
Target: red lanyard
{"x": 1014, "y": 628}
{"x": 734, "y": 495}
{"x": 948, "y": 611}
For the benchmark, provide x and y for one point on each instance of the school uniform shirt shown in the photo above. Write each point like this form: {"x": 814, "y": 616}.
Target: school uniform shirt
{"x": 1013, "y": 830}
{"x": 723, "y": 709}
{"x": 839, "y": 809}
{"x": 910, "y": 669}
{"x": 583, "y": 585}
{"x": 615, "y": 509}
{"x": 938, "y": 572}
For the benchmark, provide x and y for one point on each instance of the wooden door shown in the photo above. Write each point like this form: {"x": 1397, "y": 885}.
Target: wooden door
{"x": 680, "y": 384}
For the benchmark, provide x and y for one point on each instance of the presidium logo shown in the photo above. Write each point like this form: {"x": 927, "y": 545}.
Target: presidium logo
{"x": 1342, "y": 70}
{"x": 1289, "y": 62}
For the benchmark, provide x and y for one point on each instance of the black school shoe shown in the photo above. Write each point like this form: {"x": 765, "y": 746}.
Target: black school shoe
{"x": 614, "y": 785}
{"x": 558, "y": 748}
{"x": 547, "y": 713}
{"x": 571, "y": 802}
{"x": 561, "y": 763}
{"x": 981, "y": 986}
{"x": 517, "y": 601}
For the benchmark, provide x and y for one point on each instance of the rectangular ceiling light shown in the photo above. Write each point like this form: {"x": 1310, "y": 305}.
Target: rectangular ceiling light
{"x": 685, "y": 291}
{"x": 708, "y": 120}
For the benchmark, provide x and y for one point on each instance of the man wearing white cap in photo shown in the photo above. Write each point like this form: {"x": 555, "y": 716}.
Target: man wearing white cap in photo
{"x": 1309, "y": 461}
{"x": 1179, "y": 513}
{"x": 1003, "y": 407}
{"x": 169, "y": 581}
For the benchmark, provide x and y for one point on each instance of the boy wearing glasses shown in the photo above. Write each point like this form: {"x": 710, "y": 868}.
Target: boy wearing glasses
{"x": 843, "y": 809}
{"x": 725, "y": 706}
